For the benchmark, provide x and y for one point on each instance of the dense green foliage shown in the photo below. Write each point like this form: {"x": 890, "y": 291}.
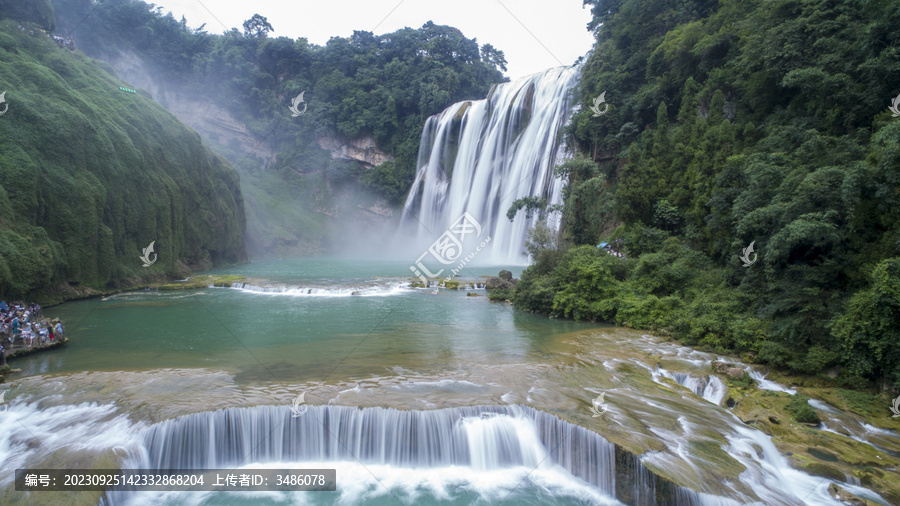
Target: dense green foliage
{"x": 800, "y": 409}
{"x": 90, "y": 175}
{"x": 383, "y": 86}
{"x": 734, "y": 122}
{"x": 39, "y": 12}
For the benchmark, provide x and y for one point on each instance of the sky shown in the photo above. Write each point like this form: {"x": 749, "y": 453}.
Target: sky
{"x": 533, "y": 34}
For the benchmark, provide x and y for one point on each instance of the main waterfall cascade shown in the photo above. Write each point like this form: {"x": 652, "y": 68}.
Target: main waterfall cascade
{"x": 480, "y": 156}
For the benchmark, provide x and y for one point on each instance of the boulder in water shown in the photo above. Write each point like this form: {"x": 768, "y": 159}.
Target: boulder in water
{"x": 729, "y": 370}
{"x": 504, "y": 281}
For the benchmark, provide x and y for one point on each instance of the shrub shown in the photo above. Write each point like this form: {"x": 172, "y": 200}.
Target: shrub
{"x": 799, "y": 407}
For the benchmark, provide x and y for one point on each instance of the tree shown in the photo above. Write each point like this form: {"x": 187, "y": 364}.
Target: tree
{"x": 35, "y": 11}
{"x": 493, "y": 57}
{"x": 587, "y": 203}
{"x": 666, "y": 215}
{"x": 532, "y": 206}
{"x": 868, "y": 332}
{"x": 257, "y": 26}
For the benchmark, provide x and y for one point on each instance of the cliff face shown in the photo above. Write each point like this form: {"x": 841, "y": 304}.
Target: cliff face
{"x": 91, "y": 175}
{"x": 213, "y": 122}
{"x": 284, "y": 216}
{"x": 362, "y": 150}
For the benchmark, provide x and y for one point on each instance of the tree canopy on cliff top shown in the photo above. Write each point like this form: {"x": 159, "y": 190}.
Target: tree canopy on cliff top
{"x": 730, "y": 123}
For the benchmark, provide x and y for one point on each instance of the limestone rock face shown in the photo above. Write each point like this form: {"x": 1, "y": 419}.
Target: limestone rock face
{"x": 494, "y": 283}
{"x": 204, "y": 116}
{"x": 362, "y": 150}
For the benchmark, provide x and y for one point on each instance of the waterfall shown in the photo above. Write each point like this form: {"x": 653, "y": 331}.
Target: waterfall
{"x": 709, "y": 387}
{"x": 480, "y": 156}
{"x": 483, "y": 439}
{"x": 765, "y": 384}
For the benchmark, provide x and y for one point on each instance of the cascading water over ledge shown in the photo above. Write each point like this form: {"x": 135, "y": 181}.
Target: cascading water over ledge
{"x": 480, "y": 156}
{"x": 484, "y": 439}
{"x": 709, "y": 387}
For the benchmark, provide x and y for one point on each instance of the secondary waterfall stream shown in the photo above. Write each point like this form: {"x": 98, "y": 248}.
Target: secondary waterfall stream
{"x": 479, "y": 156}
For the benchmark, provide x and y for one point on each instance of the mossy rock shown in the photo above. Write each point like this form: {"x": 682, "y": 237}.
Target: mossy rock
{"x": 845, "y": 497}
{"x": 817, "y": 452}
{"x": 874, "y": 407}
{"x": 711, "y": 451}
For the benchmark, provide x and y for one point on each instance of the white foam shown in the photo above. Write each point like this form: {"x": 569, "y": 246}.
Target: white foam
{"x": 879, "y": 430}
{"x": 765, "y": 384}
{"x": 29, "y": 432}
{"x": 381, "y": 290}
{"x": 772, "y": 478}
{"x": 710, "y": 388}
{"x": 822, "y": 406}
{"x": 358, "y": 484}
{"x": 444, "y": 384}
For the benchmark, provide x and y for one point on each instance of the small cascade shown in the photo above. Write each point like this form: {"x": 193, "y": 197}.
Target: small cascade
{"x": 484, "y": 439}
{"x": 480, "y": 156}
{"x": 708, "y": 387}
{"x": 765, "y": 384}
{"x": 774, "y": 480}
{"x": 714, "y": 391}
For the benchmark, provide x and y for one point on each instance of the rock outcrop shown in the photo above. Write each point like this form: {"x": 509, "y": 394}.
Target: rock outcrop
{"x": 729, "y": 370}
{"x": 362, "y": 150}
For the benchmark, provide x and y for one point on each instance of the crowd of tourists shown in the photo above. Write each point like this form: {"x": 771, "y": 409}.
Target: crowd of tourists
{"x": 24, "y": 325}
{"x": 614, "y": 248}
{"x": 60, "y": 41}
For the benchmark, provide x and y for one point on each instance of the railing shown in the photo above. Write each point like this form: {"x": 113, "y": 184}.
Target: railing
{"x": 26, "y": 341}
